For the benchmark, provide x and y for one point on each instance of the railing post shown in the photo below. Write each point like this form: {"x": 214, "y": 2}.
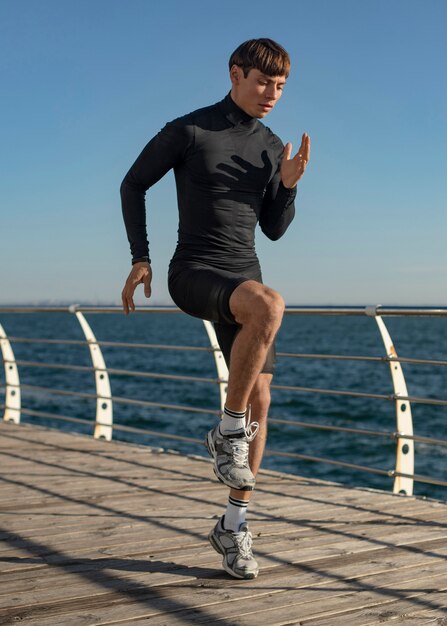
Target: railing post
{"x": 104, "y": 406}
{"x": 12, "y": 391}
{"x": 404, "y": 421}
{"x": 221, "y": 366}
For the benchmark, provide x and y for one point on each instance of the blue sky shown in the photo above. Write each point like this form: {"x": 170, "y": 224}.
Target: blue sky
{"x": 86, "y": 83}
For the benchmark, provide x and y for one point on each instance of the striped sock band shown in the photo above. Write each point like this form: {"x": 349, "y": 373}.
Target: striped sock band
{"x": 242, "y": 504}
{"x": 235, "y": 514}
{"x": 235, "y": 414}
{"x": 232, "y": 420}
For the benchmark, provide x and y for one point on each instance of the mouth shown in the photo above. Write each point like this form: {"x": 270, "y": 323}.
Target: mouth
{"x": 266, "y": 107}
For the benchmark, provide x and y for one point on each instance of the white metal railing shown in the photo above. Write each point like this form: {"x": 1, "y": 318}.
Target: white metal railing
{"x": 403, "y": 473}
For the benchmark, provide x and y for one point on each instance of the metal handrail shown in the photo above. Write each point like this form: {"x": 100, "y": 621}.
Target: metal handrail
{"x": 118, "y": 372}
{"x": 293, "y": 310}
{"x": 296, "y": 355}
{"x": 402, "y": 399}
{"x": 117, "y": 399}
{"x": 369, "y": 310}
{"x": 378, "y": 359}
{"x": 360, "y": 394}
{"x": 360, "y": 431}
{"x": 334, "y": 392}
{"x": 113, "y": 344}
{"x": 394, "y": 435}
{"x": 274, "y": 420}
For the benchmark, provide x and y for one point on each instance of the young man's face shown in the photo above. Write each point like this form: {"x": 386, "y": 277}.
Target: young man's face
{"x": 257, "y": 93}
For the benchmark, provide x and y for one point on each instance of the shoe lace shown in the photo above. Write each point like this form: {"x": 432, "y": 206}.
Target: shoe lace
{"x": 239, "y": 446}
{"x": 244, "y": 542}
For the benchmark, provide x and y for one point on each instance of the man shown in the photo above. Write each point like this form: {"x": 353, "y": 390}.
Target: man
{"x": 231, "y": 173}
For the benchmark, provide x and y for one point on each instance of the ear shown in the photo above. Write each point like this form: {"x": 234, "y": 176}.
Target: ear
{"x": 235, "y": 74}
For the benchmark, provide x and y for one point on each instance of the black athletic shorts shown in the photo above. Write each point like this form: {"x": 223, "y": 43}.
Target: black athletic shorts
{"x": 204, "y": 291}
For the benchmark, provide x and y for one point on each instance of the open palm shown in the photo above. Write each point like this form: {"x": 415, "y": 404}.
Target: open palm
{"x": 293, "y": 168}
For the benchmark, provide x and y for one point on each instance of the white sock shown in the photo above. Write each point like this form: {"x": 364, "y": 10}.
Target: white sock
{"x": 235, "y": 514}
{"x": 232, "y": 421}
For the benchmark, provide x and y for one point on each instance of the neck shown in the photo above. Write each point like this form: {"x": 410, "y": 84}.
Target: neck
{"x": 234, "y": 97}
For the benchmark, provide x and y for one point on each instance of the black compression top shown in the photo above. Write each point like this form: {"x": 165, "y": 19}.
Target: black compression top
{"x": 226, "y": 167}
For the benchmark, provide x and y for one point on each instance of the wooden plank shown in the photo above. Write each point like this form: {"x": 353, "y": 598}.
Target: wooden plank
{"x": 262, "y": 526}
{"x": 193, "y": 495}
{"x": 125, "y": 492}
{"x": 364, "y": 563}
{"x": 88, "y": 531}
{"x": 271, "y": 533}
{"x": 43, "y": 493}
{"x": 115, "y": 541}
{"x": 161, "y": 605}
{"x": 313, "y": 561}
{"x": 294, "y": 606}
{"x": 188, "y": 560}
{"x": 374, "y": 565}
{"x": 394, "y": 612}
{"x": 402, "y": 612}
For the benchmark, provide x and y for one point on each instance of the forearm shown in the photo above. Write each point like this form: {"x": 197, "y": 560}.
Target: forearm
{"x": 278, "y": 211}
{"x": 134, "y": 214}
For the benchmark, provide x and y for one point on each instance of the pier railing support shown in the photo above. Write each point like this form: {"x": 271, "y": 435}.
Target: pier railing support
{"x": 404, "y": 421}
{"x": 104, "y": 406}
{"x": 221, "y": 366}
{"x": 12, "y": 391}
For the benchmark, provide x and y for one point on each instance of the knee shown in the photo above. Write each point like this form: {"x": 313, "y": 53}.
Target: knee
{"x": 267, "y": 307}
{"x": 268, "y": 312}
{"x": 274, "y": 304}
{"x": 258, "y": 307}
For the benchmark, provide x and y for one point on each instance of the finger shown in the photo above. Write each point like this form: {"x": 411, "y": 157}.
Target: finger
{"x": 299, "y": 155}
{"x": 128, "y": 302}
{"x": 287, "y": 151}
{"x": 303, "y": 155}
{"x": 125, "y": 307}
{"x": 131, "y": 304}
{"x": 307, "y": 148}
{"x": 147, "y": 286}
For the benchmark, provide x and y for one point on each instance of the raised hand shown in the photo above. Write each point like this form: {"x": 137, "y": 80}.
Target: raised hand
{"x": 293, "y": 169}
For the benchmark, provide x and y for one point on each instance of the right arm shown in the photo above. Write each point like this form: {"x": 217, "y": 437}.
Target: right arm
{"x": 161, "y": 154}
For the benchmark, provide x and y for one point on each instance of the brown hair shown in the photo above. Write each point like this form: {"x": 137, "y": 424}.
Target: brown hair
{"x": 264, "y": 55}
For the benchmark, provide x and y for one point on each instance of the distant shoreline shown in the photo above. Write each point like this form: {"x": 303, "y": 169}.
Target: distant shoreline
{"x": 87, "y": 303}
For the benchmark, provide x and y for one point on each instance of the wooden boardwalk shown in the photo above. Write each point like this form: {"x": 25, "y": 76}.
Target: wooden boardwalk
{"x": 111, "y": 533}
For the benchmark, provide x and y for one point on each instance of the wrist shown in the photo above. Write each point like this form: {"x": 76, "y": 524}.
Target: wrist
{"x": 141, "y": 259}
{"x": 289, "y": 188}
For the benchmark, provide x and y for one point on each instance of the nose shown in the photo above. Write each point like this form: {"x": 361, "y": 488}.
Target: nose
{"x": 273, "y": 92}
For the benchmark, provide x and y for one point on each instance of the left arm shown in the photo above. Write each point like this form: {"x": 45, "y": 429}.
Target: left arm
{"x": 278, "y": 209}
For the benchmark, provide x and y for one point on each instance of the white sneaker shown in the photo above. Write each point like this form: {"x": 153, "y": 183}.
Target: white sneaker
{"x": 238, "y": 559}
{"x": 230, "y": 454}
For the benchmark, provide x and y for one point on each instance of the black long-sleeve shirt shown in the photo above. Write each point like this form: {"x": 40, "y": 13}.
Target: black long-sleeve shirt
{"x": 226, "y": 167}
